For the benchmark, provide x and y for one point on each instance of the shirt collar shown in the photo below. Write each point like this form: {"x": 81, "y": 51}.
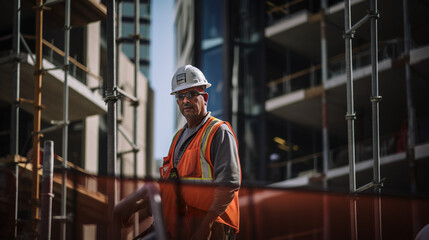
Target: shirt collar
{"x": 208, "y": 115}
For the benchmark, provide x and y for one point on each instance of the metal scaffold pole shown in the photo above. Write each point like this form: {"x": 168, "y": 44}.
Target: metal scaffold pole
{"x": 325, "y": 135}
{"x": 324, "y": 71}
{"x": 136, "y": 104}
{"x": 118, "y": 50}
{"x": 37, "y": 118}
{"x": 375, "y": 100}
{"x": 136, "y": 71}
{"x": 350, "y": 117}
{"x": 47, "y": 190}
{"x": 65, "y": 120}
{"x": 15, "y": 106}
{"x": 111, "y": 91}
{"x": 111, "y": 99}
{"x": 16, "y": 78}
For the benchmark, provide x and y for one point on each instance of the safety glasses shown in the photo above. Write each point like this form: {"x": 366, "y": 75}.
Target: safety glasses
{"x": 188, "y": 95}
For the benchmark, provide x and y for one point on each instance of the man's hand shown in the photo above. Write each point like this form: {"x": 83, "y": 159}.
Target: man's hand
{"x": 204, "y": 231}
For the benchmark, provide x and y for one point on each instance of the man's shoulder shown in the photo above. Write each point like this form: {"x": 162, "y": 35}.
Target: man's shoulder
{"x": 224, "y": 127}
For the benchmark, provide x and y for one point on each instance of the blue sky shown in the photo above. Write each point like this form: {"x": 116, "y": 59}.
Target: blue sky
{"x": 161, "y": 70}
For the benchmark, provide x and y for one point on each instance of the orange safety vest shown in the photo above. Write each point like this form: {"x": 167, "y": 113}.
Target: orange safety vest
{"x": 195, "y": 166}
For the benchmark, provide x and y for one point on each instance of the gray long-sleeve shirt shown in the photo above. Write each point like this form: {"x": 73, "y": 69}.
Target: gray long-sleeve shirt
{"x": 224, "y": 157}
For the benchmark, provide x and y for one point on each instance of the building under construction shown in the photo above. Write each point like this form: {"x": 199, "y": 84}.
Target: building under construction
{"x": 301, "y": 81}
{"x": 323, "y": 95}
{"x": 54, "y": 73}
{"x": 279, "y": 74}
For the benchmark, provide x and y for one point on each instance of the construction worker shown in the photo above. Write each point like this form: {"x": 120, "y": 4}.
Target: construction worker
{"x": 204, "y": 151}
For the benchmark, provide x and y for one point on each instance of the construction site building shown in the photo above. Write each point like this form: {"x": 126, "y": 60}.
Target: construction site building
{"x": 87, "y": 113}
{"x": 278, "y": 71}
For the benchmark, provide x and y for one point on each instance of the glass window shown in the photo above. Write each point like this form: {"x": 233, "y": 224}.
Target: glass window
{"x": 211, "y": 53}
{"x": 144, "y": 51}
{"x": 145, "y": 30}
{"x": 212, "y": 69}
{"x": 211, "y": 24}
{"x": 128, "y": 9}
{"x": 128, "y": 49}
{"x": 145, "y": 10}
{"x": 127, "y": 29}
{"x": 145, "y": 70}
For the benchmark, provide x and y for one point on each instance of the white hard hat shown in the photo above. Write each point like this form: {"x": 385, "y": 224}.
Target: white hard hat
{"x": 187, "y": 77}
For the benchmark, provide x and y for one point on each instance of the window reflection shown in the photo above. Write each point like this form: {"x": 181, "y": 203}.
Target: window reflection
{"x": 211, "y": 24}
{"x": 211, "y": 53}
{"x": 212, "y": 68}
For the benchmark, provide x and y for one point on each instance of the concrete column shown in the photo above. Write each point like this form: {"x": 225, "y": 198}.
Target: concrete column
{"x": 91, "y": 123}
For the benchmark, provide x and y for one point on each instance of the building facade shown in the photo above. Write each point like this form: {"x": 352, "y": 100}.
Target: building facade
{"x": 87, "y": 111}
{"x": 278, "y": 71}
{"x": 128, "y": 31}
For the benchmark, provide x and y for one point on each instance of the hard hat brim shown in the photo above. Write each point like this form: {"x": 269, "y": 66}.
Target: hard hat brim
{"x": 180, "y": 88}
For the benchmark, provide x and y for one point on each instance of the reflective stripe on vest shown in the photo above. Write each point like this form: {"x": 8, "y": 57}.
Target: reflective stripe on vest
{"x": 206, "y": 170}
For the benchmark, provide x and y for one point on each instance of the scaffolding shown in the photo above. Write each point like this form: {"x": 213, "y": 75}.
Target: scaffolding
{"x": 112, "y": 95}
{"x": 15, "y": 107}
{"x": 133, "y": 99}
{"x": 376, "y": 182}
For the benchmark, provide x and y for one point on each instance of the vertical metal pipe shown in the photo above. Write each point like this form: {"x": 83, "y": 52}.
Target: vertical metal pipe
{"x": 111, "y": 95}
{"x": 350, "y": 116}
{"x": 287, "y": 89}
{"x": 353, "y": 218}
{"x": 375, "y": 99}
{"x": 136, "y": 95}
{"x": 377, "y": 216}
{"x": 47, "y": 190}
{"x": 411, "y": 116}
{"x": 16, "y": 78}
{"x": 117, "y": 55}
{"x": 118, "y": 40}
{"x": 65, "y": 119}
{"x": 15, "y": 106}
{"x": 136, "y": 71}
{"x": 37, "y": 117}
{"x": 289, "y": 153}
{"x": 325, "y": 136}
{"x": 324, "y": 72}
{"x": 111, "y": 98}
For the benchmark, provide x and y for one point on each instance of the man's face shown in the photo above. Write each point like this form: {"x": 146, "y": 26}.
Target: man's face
{"x": 194, "y": 106}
